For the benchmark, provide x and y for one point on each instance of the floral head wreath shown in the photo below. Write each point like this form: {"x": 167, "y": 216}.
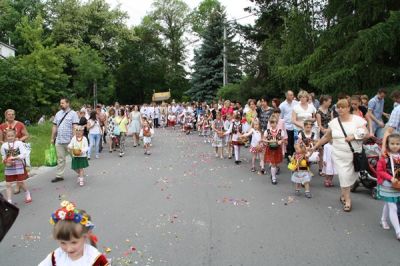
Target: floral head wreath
{"x": 68, "y": 212}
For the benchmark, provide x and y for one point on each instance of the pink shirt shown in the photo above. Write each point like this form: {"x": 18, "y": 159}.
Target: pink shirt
{"x": 225, "y": 111}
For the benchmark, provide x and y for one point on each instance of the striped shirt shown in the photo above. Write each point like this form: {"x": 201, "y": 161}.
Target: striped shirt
{"x": 65, "y": 127}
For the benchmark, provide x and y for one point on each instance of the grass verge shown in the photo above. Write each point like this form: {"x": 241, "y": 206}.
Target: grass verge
{"x": 40, "y": 141}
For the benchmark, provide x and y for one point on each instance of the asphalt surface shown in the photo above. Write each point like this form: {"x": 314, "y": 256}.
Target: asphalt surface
{"x": 181, "y": 206}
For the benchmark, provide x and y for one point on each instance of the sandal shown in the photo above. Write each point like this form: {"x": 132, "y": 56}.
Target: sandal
{"x": 347, "y": 208}
{"x": 385, "y": 225}
{"x": 327, "y": 183}
{"x": 341, "y": 199}
{"x": 28, "y": 200}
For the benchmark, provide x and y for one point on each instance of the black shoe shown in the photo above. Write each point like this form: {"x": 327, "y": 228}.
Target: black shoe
{"x": 274, "y": 182}
{"x": 262, "y": 171}
{"x": 237, "y": 162}
{"x": 57, "y": 179}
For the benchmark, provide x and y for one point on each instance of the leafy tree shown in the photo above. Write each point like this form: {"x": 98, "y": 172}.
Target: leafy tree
{"x": 143, "y": 61}
{"x": 31, "y": 34}
{"x": 89, "y": 69}
{"x": 200, "y": 16}
{"x": 67, "y": 20}
{"x": 171, "y": 18}
{"x": 11, "y": 13}
{"x": 15, "y": 87}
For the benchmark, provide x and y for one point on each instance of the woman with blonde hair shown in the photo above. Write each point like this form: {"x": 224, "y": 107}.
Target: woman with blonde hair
{"x": 302, "y": 112}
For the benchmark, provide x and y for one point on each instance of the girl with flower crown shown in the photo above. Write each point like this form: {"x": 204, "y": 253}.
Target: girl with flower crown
{"x": 73, "y": 229}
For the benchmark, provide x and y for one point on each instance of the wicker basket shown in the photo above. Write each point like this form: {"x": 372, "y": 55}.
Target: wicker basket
{"x": 76, "y": 152}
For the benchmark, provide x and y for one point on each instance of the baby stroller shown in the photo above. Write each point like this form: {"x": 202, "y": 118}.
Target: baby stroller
{"x": 368, "y": 178}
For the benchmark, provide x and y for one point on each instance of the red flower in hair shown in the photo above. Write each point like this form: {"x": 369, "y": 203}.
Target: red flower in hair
{"x": 70, "y": 215}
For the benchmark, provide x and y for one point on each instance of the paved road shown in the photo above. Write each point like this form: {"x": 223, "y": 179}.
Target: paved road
{"x": 180, "y": 206}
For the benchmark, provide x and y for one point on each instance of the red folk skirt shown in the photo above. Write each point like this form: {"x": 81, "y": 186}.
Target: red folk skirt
{"x": 17, "y": 178}
{"x": 273, "y": 156}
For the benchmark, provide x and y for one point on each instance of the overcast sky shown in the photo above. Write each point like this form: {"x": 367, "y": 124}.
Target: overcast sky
{"x": 137, "y": 9}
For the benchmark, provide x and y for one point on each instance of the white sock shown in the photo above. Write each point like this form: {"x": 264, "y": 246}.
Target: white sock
{"x": 385, "y": 212}
{"x": 273, "y": 172}
{"x": 237, "y": 152}
{"x": 394, "y": 219}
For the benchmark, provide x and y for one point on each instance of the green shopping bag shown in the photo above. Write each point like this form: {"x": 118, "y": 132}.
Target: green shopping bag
{"x": 50, "y": 156}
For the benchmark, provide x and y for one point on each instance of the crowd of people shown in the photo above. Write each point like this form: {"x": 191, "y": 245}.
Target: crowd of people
{"x": 301, "y": 129}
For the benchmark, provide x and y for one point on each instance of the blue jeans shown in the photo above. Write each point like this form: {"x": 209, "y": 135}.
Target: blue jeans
{"x": 94, "y": 141}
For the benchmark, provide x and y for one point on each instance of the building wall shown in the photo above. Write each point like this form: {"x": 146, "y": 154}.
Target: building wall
{"x": 6, "y": 52}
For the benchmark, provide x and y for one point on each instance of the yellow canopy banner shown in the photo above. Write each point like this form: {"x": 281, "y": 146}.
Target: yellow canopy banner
{"x": 161, "y": 96}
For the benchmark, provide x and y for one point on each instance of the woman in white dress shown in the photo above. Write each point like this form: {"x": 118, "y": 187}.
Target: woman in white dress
{"x": 341, "y": 152}
{"x": 135, "y": 118}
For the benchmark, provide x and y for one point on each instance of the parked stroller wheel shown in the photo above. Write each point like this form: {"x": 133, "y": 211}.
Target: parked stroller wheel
{"x": 355, "y": 186}
{"x": 368, "y": 183}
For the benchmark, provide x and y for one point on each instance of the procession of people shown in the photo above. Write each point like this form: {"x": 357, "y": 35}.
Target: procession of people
{"x": 310, "y": 137}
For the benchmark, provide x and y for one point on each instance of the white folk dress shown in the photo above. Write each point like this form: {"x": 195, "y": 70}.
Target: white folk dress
{"x": 329, "y": 167}
{"x": 341, "y": 153}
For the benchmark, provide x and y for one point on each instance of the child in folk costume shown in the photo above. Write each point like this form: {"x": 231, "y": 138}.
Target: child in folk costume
{"x": 171, "y": 120}
{"x": 257, "y": 146}
{"x": 309, "y": 138}
{"x": 280, "y": 125}
{"x": 13, "y": 153}
{"x": 245, "y": 128}
{"x": 228, "y": 134}
{"x": 301, "y": 174}
{"x": 218, "y": 140}
{"x": 274, "y": 138}
{"x": 163, "y": 118}
{"x": 188, "y": 122}
{"x": 78, "y": 147}
{"x": 206, "y": 128}
{"x": 388, "y": 173}
{"x": 146, "y": 133}
{"x": 237, "y": 142}
{"x": 199, "y": 124}
{"x": 328, "y": 169}
{"x": 72, "y": 230}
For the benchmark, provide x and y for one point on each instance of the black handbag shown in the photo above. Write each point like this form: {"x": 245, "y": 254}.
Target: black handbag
{"x": 360, "y": 160}
{"x": 8, "y": 215}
